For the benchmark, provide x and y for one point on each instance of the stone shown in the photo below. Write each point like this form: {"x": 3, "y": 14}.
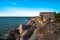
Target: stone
{"x": 41, "y": 28}
{"x": 13, "y": 34}
{"x": 38, "y": 28}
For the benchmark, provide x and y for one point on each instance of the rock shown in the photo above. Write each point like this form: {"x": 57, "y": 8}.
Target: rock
{"x": 20, "y": 29}
{"x": 38, "y": 28}
{"x": 41, "y": 28}
{"x": 27, "y": 33}
{"x": 47, "y": 32}
{"x": 13, "y": 34}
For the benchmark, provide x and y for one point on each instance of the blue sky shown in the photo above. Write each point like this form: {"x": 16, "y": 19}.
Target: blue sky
{"x": 27, "y": 7}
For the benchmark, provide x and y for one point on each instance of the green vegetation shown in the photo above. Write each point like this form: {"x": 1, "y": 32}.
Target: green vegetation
{"x": 57, "y": 16}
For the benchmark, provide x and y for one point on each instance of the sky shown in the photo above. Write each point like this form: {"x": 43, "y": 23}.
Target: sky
{"x": 28, "y": 7}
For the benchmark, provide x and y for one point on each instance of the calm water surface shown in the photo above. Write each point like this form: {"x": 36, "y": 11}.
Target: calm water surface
{"x": 7, "y": 23}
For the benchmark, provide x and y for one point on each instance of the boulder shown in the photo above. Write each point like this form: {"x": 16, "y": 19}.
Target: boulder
{"x": 13, "y": 34}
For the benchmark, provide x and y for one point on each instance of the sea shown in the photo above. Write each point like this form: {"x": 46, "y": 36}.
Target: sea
{"x": 7, "y": 23}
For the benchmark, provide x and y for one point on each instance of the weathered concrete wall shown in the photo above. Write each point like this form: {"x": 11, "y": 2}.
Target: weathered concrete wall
{"x": 48, "y": 15}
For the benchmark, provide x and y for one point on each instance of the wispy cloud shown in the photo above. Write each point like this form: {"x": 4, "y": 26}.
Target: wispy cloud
{"x": 18, "y": 12}
{"x": 23, "y": 11}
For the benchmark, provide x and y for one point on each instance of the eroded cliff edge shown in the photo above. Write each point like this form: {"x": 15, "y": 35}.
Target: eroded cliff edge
{"x": 41, "y": 27}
